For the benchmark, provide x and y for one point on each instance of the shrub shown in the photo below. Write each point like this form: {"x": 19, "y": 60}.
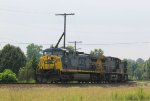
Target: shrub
{"x": 26, "y": 75}
{"x": 8, "y": 76}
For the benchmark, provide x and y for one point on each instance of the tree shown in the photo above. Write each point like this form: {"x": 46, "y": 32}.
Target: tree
{"x": 12, "y": 57}
{"x": 33, "y": 50}
{"x": 1, "y": 77}
{"x": 140, "y": 61}
{"x": 97, "y": 52}
{"x": 146, "y": 69}
{"x": 70, "y": 48}
{"x": 34, "y": 64}
{"x": 51, "y": 46}
{"x": 23, "y": 75}
{"x": 139, "y": 70}
{"x": 135, "y": 69}
{"x": 138, "y": 74}
{"x": 131, "y": 68}
{"x": 33, "y": 55}
{"x": 28, "y": 73}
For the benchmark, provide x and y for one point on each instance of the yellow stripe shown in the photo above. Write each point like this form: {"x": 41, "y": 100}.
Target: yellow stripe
{"x": 84, "y": 71}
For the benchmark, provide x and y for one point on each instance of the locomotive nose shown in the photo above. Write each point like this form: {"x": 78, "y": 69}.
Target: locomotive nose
{"x": 50, "y": 62}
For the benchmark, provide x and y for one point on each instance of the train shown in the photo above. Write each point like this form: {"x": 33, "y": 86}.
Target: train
{"x": 60, "y": 65}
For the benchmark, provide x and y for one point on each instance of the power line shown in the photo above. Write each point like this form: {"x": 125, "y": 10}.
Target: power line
{"x": 97, "y": 44}
{"x": 23, "y": 11}
{"x": 125, "y": 43}
{"x": 75, "y": 44}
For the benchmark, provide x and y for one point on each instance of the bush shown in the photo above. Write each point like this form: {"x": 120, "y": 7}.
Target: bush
{"x": 8, "y": 76}
{"x": 26, "y": 74}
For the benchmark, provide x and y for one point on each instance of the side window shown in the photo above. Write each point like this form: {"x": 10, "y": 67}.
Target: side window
{"x": 58, "y": 53}
{"x": 109, "y": 59}
{"x": 82, "y": 61}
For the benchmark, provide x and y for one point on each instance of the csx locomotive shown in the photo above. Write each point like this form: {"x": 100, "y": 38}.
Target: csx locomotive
{"x": 62, "y": 65}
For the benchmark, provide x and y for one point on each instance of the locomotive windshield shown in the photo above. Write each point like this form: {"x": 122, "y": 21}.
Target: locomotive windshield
{"x": 47, "y": 53}
{"x": 58, "y": 53}
{"x": 54, "y": 51}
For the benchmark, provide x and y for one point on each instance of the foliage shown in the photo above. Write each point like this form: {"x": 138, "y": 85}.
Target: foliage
{"x": 131, "y": 68}
{"x": 33, "y": 50}
{"x": 34, "y": 62}
{"x": 97, "y": 52}
{"x": 140, "y": 61}
{"x": 7, "y": 76}
{"x": 27, "y": 73}
{"x": 139, "y": 69}
{"x": 22, "y": 77}
{"x": 70, "y": 48}
{"x": 11, "y": 57}
{"x": 51, "y": 46}
{"x": 146, "y": 70}
{"x": 1, "y": 74}
{"x": 135, "y": 69}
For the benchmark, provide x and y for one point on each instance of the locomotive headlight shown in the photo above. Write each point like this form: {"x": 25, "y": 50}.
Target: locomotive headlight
{"x": 48, "y": 57}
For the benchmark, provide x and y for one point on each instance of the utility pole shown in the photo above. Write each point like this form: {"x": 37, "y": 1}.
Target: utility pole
{"x": 65, "y": 15}
{"x": 75, "y": 44}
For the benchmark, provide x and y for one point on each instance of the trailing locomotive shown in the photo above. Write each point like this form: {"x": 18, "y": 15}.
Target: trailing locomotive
{"x": 62, "y": 65}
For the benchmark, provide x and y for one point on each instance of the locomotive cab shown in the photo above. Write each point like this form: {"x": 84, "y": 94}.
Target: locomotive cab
{"x": 52, "y": 59}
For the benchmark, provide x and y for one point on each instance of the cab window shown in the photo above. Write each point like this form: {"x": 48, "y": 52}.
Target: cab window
{"x": 47, "y": 53}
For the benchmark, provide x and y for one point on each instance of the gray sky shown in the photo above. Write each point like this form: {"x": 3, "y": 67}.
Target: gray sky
{"x": 94, "y": 22}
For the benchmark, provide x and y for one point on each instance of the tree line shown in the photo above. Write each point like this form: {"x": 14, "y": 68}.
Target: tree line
{"x": 139, "y": 69}
{"x": 15, "y": 66}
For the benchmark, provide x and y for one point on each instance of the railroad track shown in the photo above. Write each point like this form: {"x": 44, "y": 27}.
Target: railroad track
{"x": 26, "y": 85}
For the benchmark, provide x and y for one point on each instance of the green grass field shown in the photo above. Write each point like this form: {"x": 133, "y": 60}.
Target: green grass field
{"x": 101, "y": 92}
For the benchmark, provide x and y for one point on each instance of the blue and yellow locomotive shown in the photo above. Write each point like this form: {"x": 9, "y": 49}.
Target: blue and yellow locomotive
{"x": 62, "y": 65}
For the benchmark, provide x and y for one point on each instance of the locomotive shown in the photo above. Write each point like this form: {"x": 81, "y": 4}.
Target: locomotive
{"x": 62, "y": 65}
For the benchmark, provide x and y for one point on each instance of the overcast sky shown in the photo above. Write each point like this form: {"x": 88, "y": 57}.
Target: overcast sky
{"x": 94, "y": 22}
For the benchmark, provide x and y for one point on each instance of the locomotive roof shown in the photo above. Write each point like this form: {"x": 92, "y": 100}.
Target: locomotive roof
{"x": 54, "y": 49}
{"x": 112, "y": 57}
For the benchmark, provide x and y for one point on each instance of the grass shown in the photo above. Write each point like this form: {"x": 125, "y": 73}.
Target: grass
{"x": 74, "y": 93}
